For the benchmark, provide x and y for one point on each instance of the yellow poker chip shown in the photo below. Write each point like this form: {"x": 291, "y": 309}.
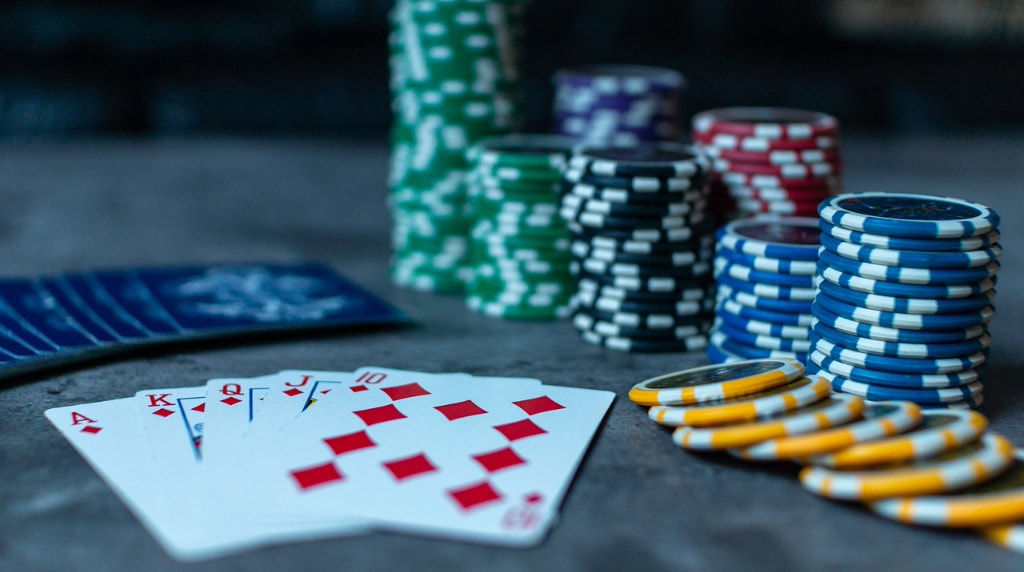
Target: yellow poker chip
{"x": 713, "y": 383}
{"x": 972, "y": 464}
{"x": 939, "y": 431}
{"x": 836, "y": 410}
{"x": 793, "y": 395}
{"x": 999, "y": 501}
{"x": 1009, "y": 536}
{"x": 881, "y": 419}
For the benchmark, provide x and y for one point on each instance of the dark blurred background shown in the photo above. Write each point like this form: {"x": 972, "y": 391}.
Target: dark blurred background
{"x": 319, "y": 66}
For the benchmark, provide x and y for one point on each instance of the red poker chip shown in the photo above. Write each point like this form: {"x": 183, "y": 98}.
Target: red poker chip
{"x": 763, "y": 144}
{"x": 766, "y": 122}
{"x": 774, "y": 157}
{"x": 777, "y": 194}
{"x": 774, "y": 181}
{"x": 790, "y": 171}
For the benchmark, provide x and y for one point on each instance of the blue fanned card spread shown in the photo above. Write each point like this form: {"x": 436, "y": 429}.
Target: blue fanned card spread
{"x": 56, "y": 320}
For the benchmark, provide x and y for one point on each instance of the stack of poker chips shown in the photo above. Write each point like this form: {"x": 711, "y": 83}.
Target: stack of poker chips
{"x": 618, "y": 104}
{"x": 765, "y": 268}
{"x": 519, "y": 247}
{"x": 905, "y": 297}
{"x": 939, "y": 468}
{"x": 770, "y": 160}
{"x": 641, "y": 247}
{"x": 454, "y": 80}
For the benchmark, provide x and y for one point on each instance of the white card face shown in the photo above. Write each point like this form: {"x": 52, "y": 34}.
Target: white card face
{"x": 231, "y": 405}
{"x": 473, "y": 460}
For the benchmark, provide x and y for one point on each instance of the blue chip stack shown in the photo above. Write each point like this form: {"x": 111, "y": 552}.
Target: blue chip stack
{"x": 765, "y": 269}
{"x": 618, "y": 104}
{"x": 641, "y": 246}
{"x": 906, "y": 292}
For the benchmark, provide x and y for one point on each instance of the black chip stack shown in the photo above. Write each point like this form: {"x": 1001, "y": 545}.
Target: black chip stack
{"x": 641, "y": 246}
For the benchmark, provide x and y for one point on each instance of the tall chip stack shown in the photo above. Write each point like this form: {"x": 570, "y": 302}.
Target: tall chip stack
{"x": 769, "y": 160}
{"x": 764, "y": 267}
{"x": 454, "y": 80}
{"x": 641, "y": 246}
{"x": 618, "y": 104}
{"x": 519, "y": 246}
{"x": 906, "y": 292}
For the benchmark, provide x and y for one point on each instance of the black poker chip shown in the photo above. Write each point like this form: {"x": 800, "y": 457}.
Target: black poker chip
{"x": 649, "y": 185}
{"x": 585, "y": 322}
{"x": 615, "y": 269}
{"x": 643, "y": 320}
{"x": 629, "y": 197}
{"x": 643, "y": 160}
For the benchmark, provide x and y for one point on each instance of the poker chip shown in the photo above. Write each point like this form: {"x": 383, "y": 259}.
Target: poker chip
{"x": 748, "y": 274}
{"x": 761, "y": 340}
{"x": 971, "y": 464}
{"x": 890, "y": 379}
{"x": 720, "y": 356}
{"x": 765, "y": 328}
{"x": 765, "y": 122}
{"x": 779, "y": 238}
{"x": 755, "y": 144}
{"x": 773, "y": 157}
{"x": 938, "y": 432}
{"x": 882, "y": 333}
{"x": 618, "y": 104}
{"x": 909, "y": 215}
{"x": 455, "y": 76}
{"x": 885, "y": 393}
{"x": 728, "y": 306}
{"x": 911, "y": 244}
{"x": 804, "y": 391}
{"x": 649, "y": 256}
{"x": 751, "y": 300}
{"x": 1009, "y": 536}
{"x": 713, "y": 383}
{"x": 998, "y": 501}
{"x": 880, "y": 420}
{"x": 830, "y": 412}
{"x": 765, "y": 264}
{"x": 906, "y": 313}
{"x": 719, "y": 340}
{"x": 912, "y": 258}
{"x": 897, "y": 274}
{"x": 789, "y": 293}
{"x": 897, "y": 290}
{"x": 899, "y": 349}
{"x": 895, "y": 364}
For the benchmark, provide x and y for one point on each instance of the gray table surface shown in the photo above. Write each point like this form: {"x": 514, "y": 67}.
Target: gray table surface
{"x": 638, "y": 502}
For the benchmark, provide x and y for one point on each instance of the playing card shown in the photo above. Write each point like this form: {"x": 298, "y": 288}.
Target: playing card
{"x": 231, "y": 405}
{"x": 481, "y": 461}
{"x": 130, "y": 294}
{"x": 73, "y": 305}
{"x": 230, "y": 299}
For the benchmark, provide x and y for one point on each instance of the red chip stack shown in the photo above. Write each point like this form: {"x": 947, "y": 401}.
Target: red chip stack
{"x": 769, "y": 159}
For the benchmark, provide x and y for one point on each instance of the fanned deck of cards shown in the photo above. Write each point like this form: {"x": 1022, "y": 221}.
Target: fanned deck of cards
{"x": 304, "y": 454}
{"x": 56, "y": 320}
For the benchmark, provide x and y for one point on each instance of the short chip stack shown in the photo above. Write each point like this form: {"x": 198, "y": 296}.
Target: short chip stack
{"x": 618, "y": 104}
{"x": 641, "y": 246}
{"x": 519, "y": 246}
{"x": 454, "y": 79}
{"x": 905, "y": 297}
{"x": 770, "y": 160}
{"x": 765, "y": 269}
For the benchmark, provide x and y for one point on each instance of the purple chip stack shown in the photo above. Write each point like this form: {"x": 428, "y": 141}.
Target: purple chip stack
{"x": 618, "y": 104}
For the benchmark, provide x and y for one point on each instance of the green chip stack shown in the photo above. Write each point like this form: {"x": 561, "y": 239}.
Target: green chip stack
{"x": 454, "y": 80}
{"x": 519, "y": 246}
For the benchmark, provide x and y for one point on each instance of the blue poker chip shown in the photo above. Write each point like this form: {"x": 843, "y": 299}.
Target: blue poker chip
{"x": 889, "y": 379}
{"x": 901, "y": 350}
{"x": 896, "y": 364}
{"x": 727, "y": 306}
{"x": 721, "y": 341}
{"x": 752, "y": 300}
{"x": 898, "y": 290}
{"x": 786, "y": 238}
{"x": 718, "y": 355}
{"x": 908, "y": 215}
{"x": 906, "y": 305}
{"x": 973, "y": 402}
{"x": 904, "y": 321}
{"x": 912, "y": 258}
{"x": 883, "y": 393}
{"x": 791, "y": 332}
{"x": 915, "y": 244}
{"x": 765, "y": 264}
{"x": 782, "y": 293}
{"x": 748, "y": 274}
{"x": 883, "y": 333}
{"x": 901, "y": 275}
{"x": 762, "y": 341}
